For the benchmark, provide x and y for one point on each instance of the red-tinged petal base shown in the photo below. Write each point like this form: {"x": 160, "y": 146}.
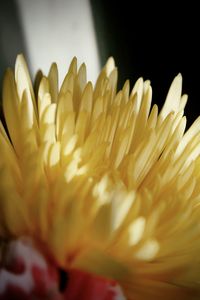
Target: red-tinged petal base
{"x": 85, "y": 286}
{"x": 25, "y": 274}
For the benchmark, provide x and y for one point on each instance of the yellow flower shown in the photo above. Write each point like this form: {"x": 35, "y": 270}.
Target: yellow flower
{"x": 102, "y": 182}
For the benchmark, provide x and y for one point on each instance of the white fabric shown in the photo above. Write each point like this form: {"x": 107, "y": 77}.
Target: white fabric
{"x": 57, "y": 30}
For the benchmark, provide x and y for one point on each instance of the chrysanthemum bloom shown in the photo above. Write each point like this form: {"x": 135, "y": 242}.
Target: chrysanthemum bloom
{"x": 98, "y": 187}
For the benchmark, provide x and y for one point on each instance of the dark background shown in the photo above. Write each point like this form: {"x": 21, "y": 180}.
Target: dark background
{"x": 11, "y": 35}
{"x": 153, "y": 41}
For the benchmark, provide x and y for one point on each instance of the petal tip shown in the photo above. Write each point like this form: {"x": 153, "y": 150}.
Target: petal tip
{"x": 110, "y": 65}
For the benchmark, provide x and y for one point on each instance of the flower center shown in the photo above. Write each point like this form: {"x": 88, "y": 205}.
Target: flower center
{"x": 25, "y": 273}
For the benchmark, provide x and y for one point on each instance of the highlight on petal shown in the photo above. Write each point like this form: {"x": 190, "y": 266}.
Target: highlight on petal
{"x": 172, "y": 102}
{"x": 136, "y": 230}
{"x": 110, "y": 65}
{"x": 106, "y": 187}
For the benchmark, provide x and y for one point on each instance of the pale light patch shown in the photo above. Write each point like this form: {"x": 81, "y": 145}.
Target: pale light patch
{"x": 136, "y": 230}
{"x": 70, "y": 145}
{"x": 148, "y": 251}
{"x": 81, "y": 171}
{"x": 122, "y": 203}
{"x": 54, "y": 154}
{"x": 100, "y": 191}
{"x": 72, "y": 168}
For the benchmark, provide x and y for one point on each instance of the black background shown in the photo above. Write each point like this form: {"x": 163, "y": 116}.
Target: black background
{"x": 155, "y": 41}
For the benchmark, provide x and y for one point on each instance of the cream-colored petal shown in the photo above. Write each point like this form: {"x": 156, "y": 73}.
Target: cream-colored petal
{"x": 53, "y": 81}
{"x": 23, "y": 80}
{"x": 172, "y": 102}
{"x": 110, "y": 65}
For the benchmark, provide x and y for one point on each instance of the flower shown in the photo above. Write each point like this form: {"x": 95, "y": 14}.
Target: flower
{"x": 100, "y": 182}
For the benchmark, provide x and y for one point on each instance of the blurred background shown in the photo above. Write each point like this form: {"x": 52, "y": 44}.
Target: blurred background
{"x": 156, "y": 42}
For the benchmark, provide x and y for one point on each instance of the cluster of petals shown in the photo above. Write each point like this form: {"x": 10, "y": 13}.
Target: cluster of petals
{"x": 101, "y": 181}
